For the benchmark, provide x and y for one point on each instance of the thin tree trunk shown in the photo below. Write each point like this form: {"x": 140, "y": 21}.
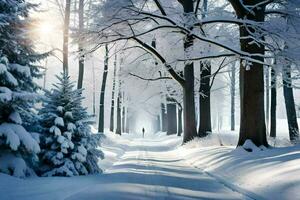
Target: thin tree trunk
{"x": 172, "y": 120}
{"x": 232, "y": 92}
{"x": 267, "y": 84}
{"x": 118, "y": 128}
{"x": 81, "y": 56}
{"x": 164, "y": 118}
{"x": 179, "y": 118}
{"x": 102, "y": 93}
{"x": 290, "y": 105}
{"x": 273, "y": 103}
{"x": 66, "y": 37}
{"x": 123, "y": 114}
{"x": 112, "y": 108}
{"x": 204, "y": 100}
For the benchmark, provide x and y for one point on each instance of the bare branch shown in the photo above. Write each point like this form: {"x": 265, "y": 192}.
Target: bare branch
{"x": 151, "y": 79}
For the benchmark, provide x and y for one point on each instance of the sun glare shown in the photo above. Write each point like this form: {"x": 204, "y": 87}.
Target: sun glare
{"x": 45, "y": 28}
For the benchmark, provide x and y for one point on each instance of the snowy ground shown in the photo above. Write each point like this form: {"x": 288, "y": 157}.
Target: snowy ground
{"x": 157, "y": 167}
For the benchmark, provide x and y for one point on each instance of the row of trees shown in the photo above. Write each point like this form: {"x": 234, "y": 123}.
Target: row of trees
{"x": 206, "y": 30}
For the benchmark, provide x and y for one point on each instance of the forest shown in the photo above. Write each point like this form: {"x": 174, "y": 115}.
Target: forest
{"x": 149, "y": 99}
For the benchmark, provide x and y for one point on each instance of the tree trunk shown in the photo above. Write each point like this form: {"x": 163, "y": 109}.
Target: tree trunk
{"x": 179, "y": 118}
{"x": 190, "y": 131}
{"x": 290, "y": 105}
{"x": 267, "y": 84}
{"x": 102, "y": 93}
{"x": 252, "y": 121}
{"x": 66, "y": 37}
{"x": 204, "y": 100}
{"x": 112, "y": 108}
{"x": 232, "y": 94}
{"x": 273, "y": 103}
{"x": 81, "y": 56}
{"x": 164, "y": 118}
{"x": 123, "y": 115}
{"x": 172, "y": 120}
{"x": 118, "y": 128}
{"x": 127, "y": 128}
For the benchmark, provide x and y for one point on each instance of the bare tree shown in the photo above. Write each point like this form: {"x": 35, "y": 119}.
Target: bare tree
{"x": 102, "y": 93}
{"x": 66, "y": 36}
{"x": 80, "y": 48}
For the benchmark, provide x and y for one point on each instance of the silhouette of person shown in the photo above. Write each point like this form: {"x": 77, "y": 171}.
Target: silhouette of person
{"x": 143, "y": 130}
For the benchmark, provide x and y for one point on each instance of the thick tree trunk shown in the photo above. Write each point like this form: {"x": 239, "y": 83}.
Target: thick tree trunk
{"x": 232, "y": 94}
{"x": 290, "y": 105}
{"x": 172, "y": 117}
{"x": 273, "y": 103}
{"x": 112, "y": 108}
{"x": 179, "y": 120}
{"x": 81, "y": 56}
{"x": 190, "y": 131}
{"x": 204, "y": 100}
{"x": 252, "y": 122}
{"x": 66, "y": 37}
{"x": 118, "y": 128}
{"x": 102, "y": 93}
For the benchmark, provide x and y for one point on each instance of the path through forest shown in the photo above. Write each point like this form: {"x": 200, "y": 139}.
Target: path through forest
{"x": 148, "y": 170}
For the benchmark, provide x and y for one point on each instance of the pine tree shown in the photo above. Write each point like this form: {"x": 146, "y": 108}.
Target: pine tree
{"x": 68, "y": 146}
{"x": 18, "y": 148}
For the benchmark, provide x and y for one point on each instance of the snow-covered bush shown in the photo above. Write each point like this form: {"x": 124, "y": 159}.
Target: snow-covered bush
{"x": 68, "y": 146}
{"x": 18, "y": 147}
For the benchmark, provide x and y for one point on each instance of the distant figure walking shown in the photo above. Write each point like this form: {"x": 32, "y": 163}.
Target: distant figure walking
{"x": 143, "y": 130}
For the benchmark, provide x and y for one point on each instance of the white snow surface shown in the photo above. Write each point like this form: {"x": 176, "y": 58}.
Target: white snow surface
{"x": 158, "y": 167}
{"x": 59, "y": 121}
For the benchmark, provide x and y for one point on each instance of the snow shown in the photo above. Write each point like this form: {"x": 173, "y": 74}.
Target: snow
{"x": 9, "y": 162}
{"x": 15, "y": 117}
{"x": 55, "y": 130}
{"x": 5, "y": 94}
{"x": 2, "y": 68}
{"x": 24, "y": 70}
{"x": 71, "y": 127}
{"x": 15, "y": 135}
{"x": 59, "y": 121}
{"x": 69, "y": 115}
{"x": 60, "y": 109}
{"x": 158, "y": 167}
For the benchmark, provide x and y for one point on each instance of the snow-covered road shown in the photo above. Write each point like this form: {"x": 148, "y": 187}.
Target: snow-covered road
{"x": 158, "y": 167}
{"x": 149, "y": 171}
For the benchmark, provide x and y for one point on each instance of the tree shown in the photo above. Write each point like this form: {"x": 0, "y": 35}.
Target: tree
{"x": 80, "y": 48}
{"x": 102, "y": 92}
{"x": 204, "y": 99}
{"x": 18, "y": 69}
{"x": 273, "y": 103}
{"x": 171, "y": 116}
{"x": 252, "y": 122}
{"x": 112, "y": 108}
{"x": 290, "y": 105}
{"x": 67, "y": 144}
{"x": 179, "y": 119}
{"x": 66, "y": 36}
{"x": 232, "y": 97}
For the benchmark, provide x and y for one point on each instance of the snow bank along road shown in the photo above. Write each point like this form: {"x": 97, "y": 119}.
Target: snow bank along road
{"x": 149, "y": 171}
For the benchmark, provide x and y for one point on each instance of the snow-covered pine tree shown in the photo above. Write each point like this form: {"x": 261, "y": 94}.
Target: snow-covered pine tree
{"x": 18, "y": 147}
{"x": 68, "y": 146}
